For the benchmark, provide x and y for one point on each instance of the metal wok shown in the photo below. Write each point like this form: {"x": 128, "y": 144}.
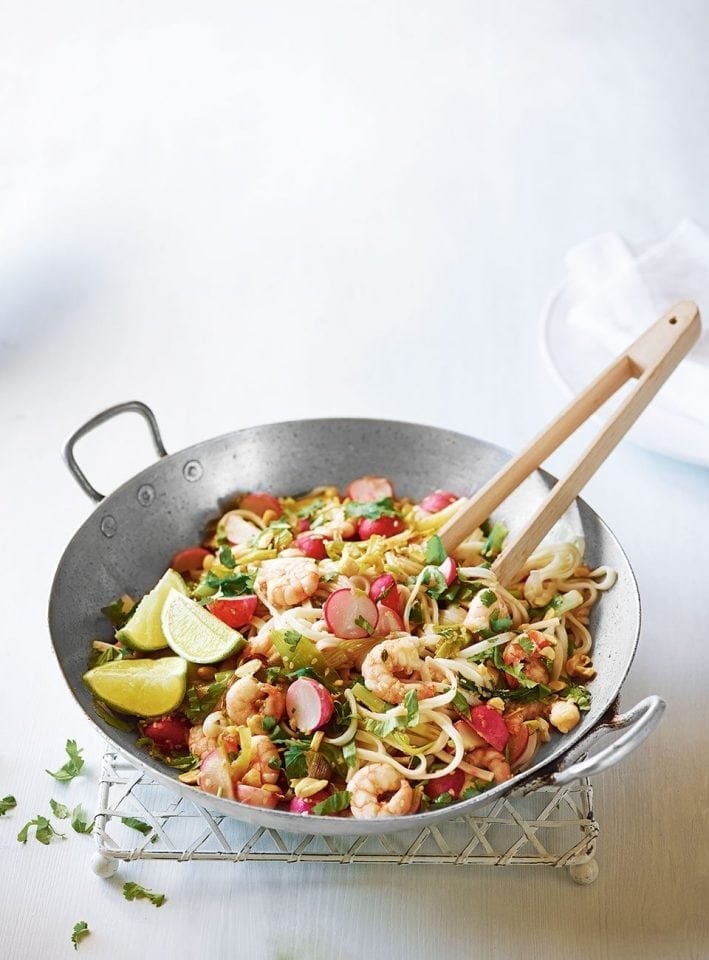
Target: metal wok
{"x": 126, "y": 543}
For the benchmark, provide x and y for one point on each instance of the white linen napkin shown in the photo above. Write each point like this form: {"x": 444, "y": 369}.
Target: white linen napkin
{"x": 613, "y": 293}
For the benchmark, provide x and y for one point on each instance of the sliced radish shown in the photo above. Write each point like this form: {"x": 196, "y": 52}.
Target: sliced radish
{"x": 344, "y": 608}
{"x": 470, "y": 738}
{"x": 308, "y": 704}
{"x": 214, "y": 775}
{"x": 385, "y": 590}
{"x": 260, "y": 502}
{"x": 438, "y": 500}
{"x": 235, "y": 612}
{"x": 381, "y": 527}
{"x": 517, "y": 744}
{"x": 311, "y": 546}
{"x": 306, "y": 804}
{"x": 490, "y": 725}
{"x": 451, "y": 783}
{"x": 256, "y": 796}
{"x": 449, "y": 569}
{"x": 388, "y": 621}
{"x": 369, "y": 489}
{"x": 237, "y": 530}
{"x": 169, "y": 734}
{"x": 189, "y": 559}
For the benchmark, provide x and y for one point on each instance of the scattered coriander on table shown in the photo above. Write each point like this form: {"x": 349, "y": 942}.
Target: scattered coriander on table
{"x": 44, "y": 831}
{"x": 78, "y": 822}
{"x": 72, "y": 768}
{"x": 134, "y": 891}
{"x": 81, "y": 930}
{"x": 7, "y": 803}
{"x": 59, "y": 810}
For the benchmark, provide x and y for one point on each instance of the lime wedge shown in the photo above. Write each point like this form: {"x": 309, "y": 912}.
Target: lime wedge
{"x": 195, "y": 633}
{"x": 143, "y": 630}
{"x": 148, "y": 688}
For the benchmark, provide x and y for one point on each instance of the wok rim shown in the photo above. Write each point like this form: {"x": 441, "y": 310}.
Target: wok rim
{"x": 322, "y": 825}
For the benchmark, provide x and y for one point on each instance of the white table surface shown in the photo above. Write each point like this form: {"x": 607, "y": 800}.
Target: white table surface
{"x": 250, "y": 212}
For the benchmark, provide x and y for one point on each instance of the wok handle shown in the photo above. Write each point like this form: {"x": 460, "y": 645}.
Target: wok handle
{"x": 130, "y": 406}
{"x": 640, "y": 721}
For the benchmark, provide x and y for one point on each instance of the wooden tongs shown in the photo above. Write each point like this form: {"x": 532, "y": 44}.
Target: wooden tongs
{"x": 650, "y": 360}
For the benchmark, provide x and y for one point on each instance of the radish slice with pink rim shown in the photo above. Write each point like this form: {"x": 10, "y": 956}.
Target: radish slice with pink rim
{"x": 344, "y": 608}
{"x": 388, "y": 621}
{"x": 308, "y": 704}
{"x": 449, "y": 569}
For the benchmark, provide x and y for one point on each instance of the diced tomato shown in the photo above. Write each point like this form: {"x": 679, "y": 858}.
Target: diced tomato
{"x": 438, "y": 500}
{"x": 384, "y": 590}
{"x": 451, "y": 783}
{"x": 189, "y": 559}
{"x": 260, "y": 502}
{"x": 311, "y": 546}
{"x": 168, "y": 733}
{"x": 236, "y": 612}
{"x": 490, "y": 725}
{"x": 369, "y": 489}
{"x": 517, "y": 744}
{"x": 381, "y": 527}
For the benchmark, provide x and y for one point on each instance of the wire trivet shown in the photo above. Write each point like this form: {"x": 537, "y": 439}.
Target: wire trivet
{"x": 552, "y": 826}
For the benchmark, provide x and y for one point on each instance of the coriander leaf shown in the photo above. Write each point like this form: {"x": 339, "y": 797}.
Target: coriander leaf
{"x": 371, "y": 510}
{"x": 309, "y": 511}
{"x": 59, "y": 810}
{"x": 81, "y": 930}
{"x": 140, "y": 825}
{"x": 295, "y": 760}
{"x": 442, "y": 800}
{"x": 500, "y": 624}
{"x": 487, "y": 597}
{"x": 7, "y": 803}
{"x": 292, "y": 638}
{"x": 333, "y": 804}
{"x": 111, "y": 718}
{"x": 106, "y": 653}
{"x": 44, "y": 831}
{"x": 495, "y": 540}
{"x": 525, "y": 643}
{"x": 78, "y": 823}
{"x": 119, "y": 612}
{"x": 578, "y": 695}
{"x": 231, "y": 584}
{"x": 179, "y": 761}
{"x": 72, "y": 768}
{"x": 134, "y": 891}
{"x": 365, "y": 625}
{"x": 436, "y": 583}
{"x": 226, "y": 557}
{"x": 202, "y": 699}
{"x": 435, "y": 551}
{"x": 469, "y": 792}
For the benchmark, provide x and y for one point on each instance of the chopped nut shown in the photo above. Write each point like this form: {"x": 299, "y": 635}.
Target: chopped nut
{"x": 316, "y": 741}
{"x": 556, "y": 685}
{"x": 308, "y": 787}
{"x": 497, "y": 703}
{"x": 564, "y": 715}
{"x": 581, "y": 666}
{"x": 249, "y": 668}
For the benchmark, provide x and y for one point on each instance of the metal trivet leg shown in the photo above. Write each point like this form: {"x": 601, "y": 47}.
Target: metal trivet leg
{"x": 552, "y": 826}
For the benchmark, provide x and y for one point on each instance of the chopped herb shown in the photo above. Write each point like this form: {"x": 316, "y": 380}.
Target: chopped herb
{"x": 140, "y": 825}
{"x": 269, "y": 723}
{"x": 366, "y": 625}
{"x": 487, "y": 597}
{"x": 461, "y": 704}
{"x": 78, "y": 823}
{"x": 525, "y": 643}
{"x": 134, "y": 891}
{"x": 118, "y": 612}
{"x": 180, "y": 761}
{"x": 578, "y": 695}
{"x": 435, "y": 551}
{"x": 72, "y": 768}
{"x": 416, "y": 614}
{"x": 108, "y": 652}
{"x": 411, "y": 703}
{"x": 109, "y": 717}
{"x": 371, "y": 510}
{"x": 500, "y": 624}
{"x": 44, "y": 831}
{"x": 495, "y": 539}
{"x": 295, "y": 760}
{"x": 334, "y": 804}
{"x": 436, "y": 583}
{"x": 469, "y": 792}
{"x": 59, "y": 810}
{"x": 231, "y": 584}
{"x": 308, "y": 512}
{"x": 443, "y": 799}
{"x": 226, "y": 557}
{"x": 201, "y": 700}
{"x": 275, "y": 763}
{"x": 7, "y": 803}
{"x": 81, "y": 930}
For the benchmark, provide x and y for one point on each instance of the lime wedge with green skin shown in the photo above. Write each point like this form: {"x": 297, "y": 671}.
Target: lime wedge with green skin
{"x": 196, "y": 634}
{"x": 146, "y": 688}
{"x": 144, "y": 631}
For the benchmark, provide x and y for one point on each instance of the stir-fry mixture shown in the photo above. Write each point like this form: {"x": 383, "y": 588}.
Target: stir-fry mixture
{"x": 322, "y": 654}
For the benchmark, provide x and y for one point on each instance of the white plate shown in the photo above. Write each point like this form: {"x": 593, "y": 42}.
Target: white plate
{"x": 662, "y": 427}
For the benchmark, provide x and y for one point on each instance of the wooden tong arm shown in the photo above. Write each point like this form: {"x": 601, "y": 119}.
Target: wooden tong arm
{"x": 650, "y": 359}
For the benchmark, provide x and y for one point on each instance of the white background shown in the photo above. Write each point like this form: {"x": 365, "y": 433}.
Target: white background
{"x": 250, "y": 212}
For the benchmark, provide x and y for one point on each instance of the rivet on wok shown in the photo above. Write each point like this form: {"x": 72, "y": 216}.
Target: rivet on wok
{"x": 146, "y": 495}
{"x": 192, "y": 470}
{"x": 108, "y": 525}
